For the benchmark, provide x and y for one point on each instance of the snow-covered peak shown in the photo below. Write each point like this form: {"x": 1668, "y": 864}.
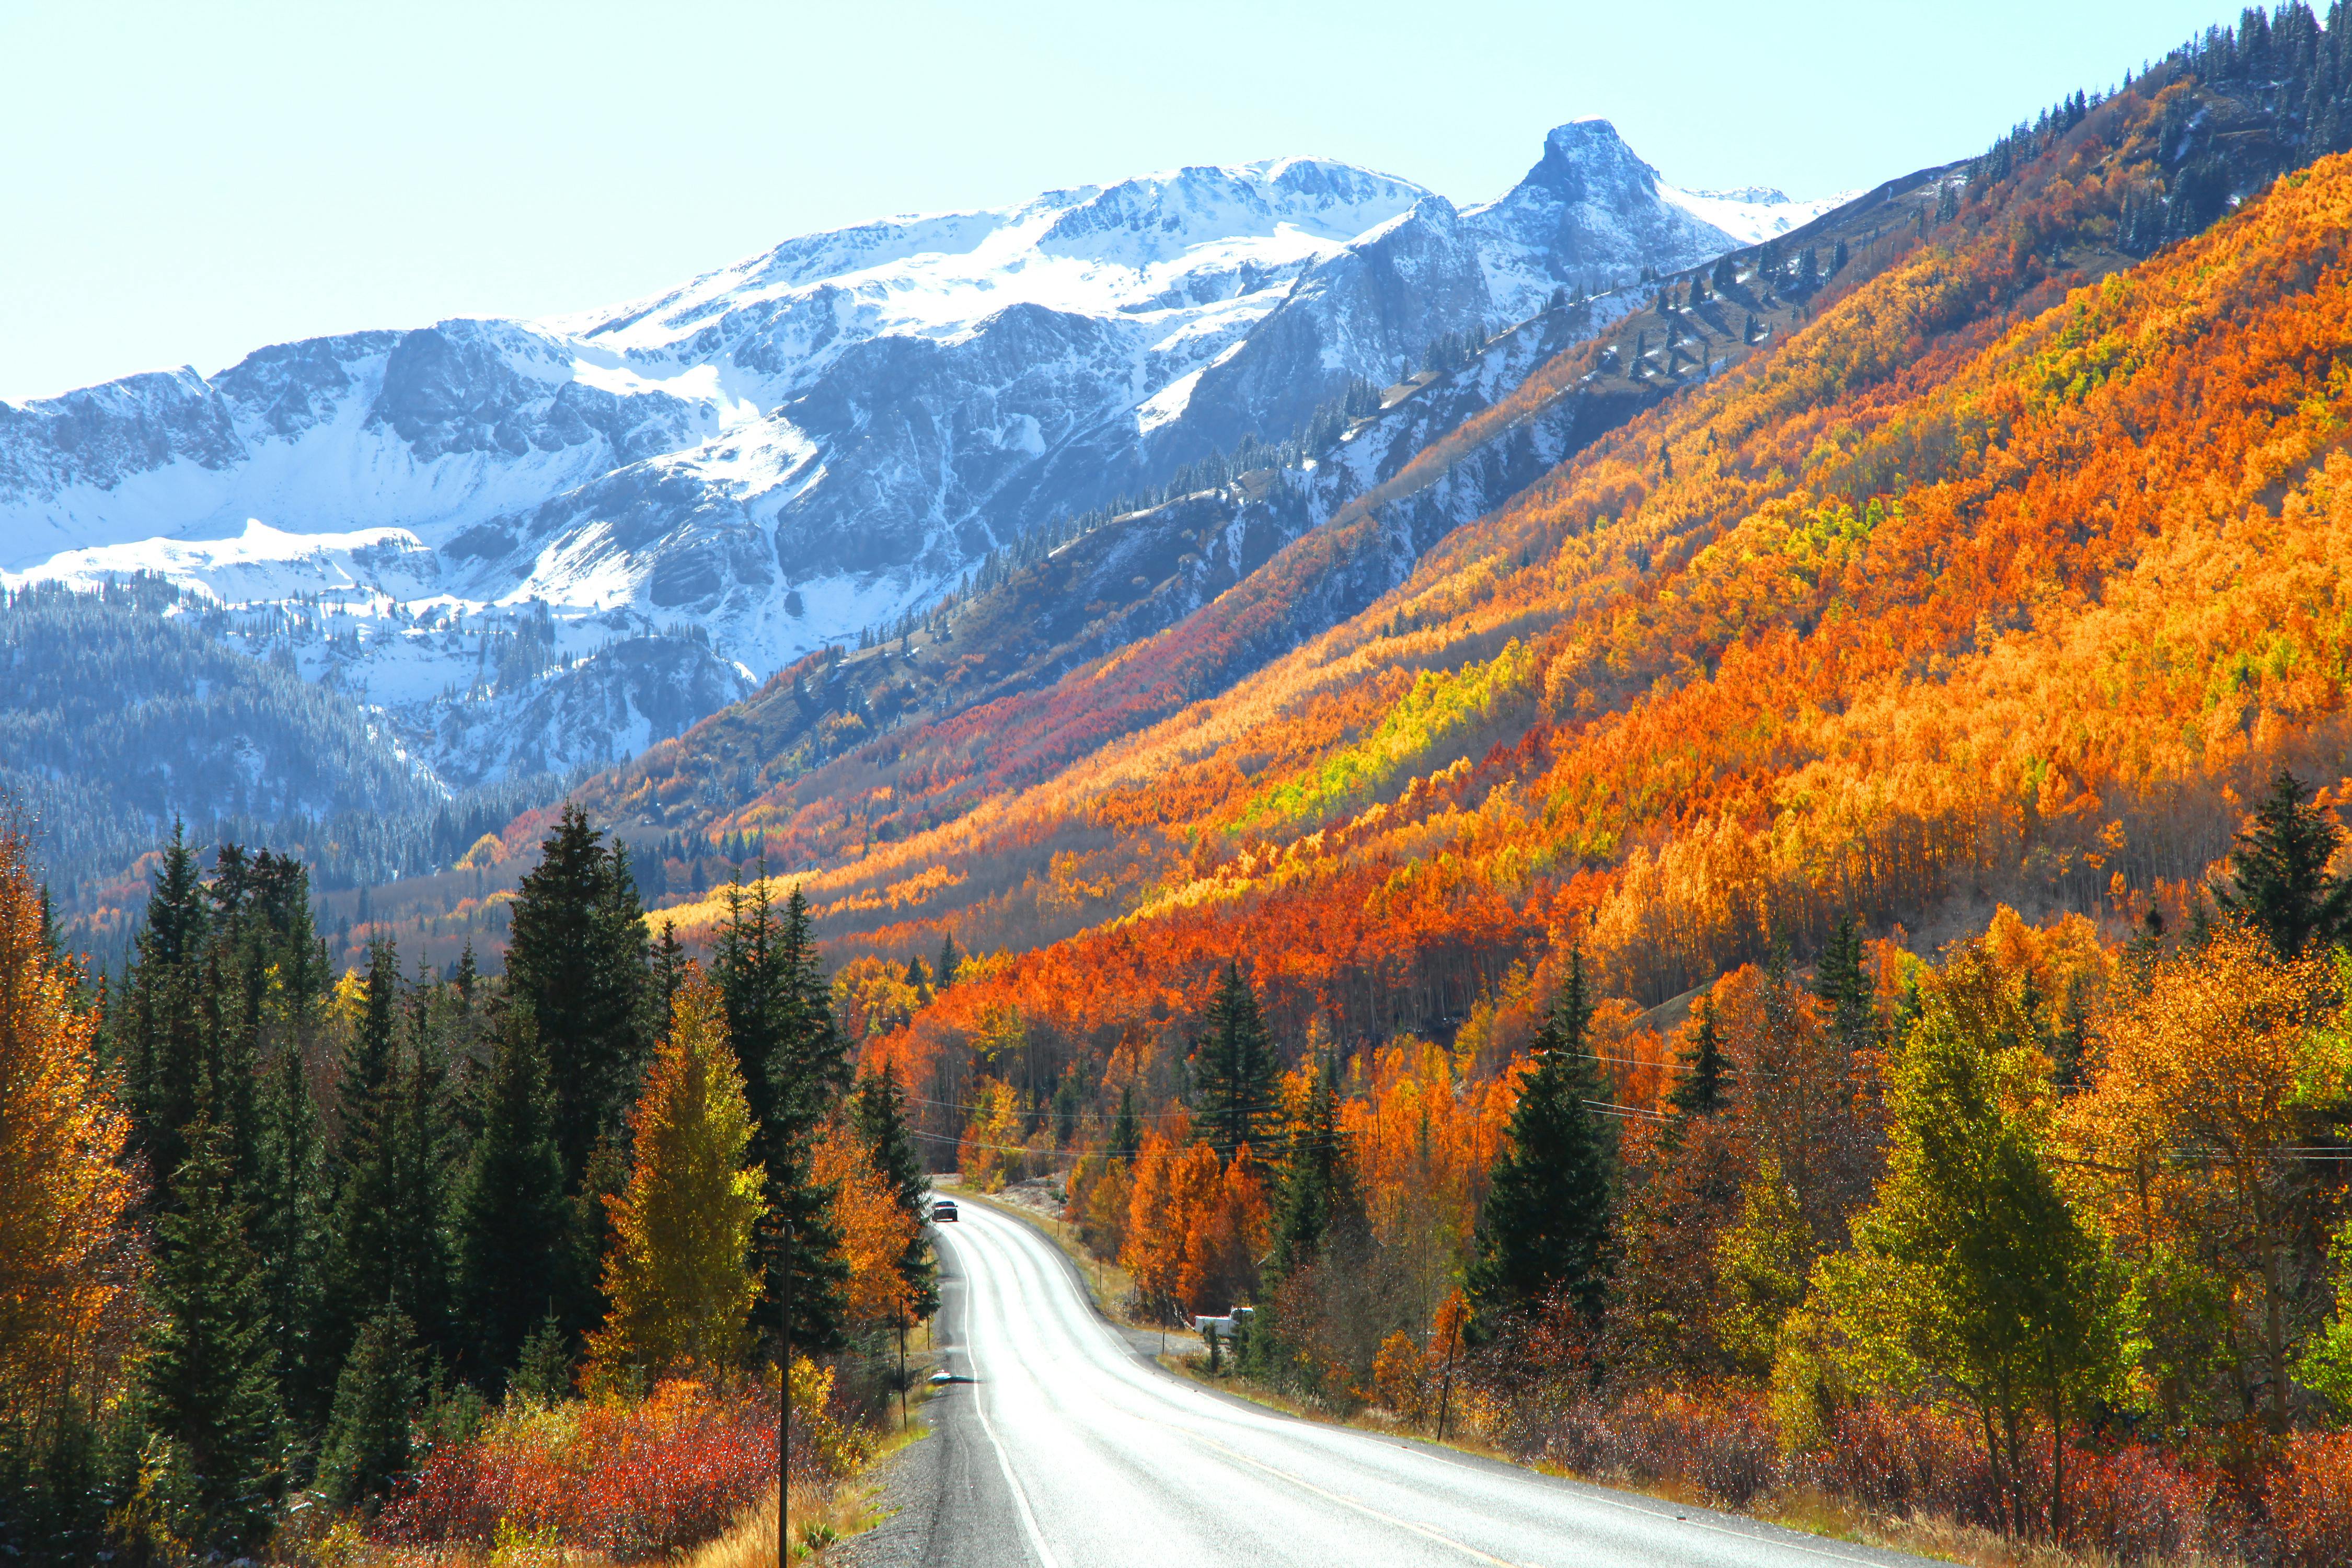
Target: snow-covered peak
{"x": 1752, "y": 214}
{"x": 783, "y": 451}
{"x": 1185, "y": 235}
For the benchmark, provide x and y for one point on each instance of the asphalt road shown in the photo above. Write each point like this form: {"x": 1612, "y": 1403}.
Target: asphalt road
{"x": 1069, "y": 1449}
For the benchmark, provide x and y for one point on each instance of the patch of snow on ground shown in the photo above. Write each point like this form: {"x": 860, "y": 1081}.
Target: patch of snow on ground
{"x": 1753, "y": 214}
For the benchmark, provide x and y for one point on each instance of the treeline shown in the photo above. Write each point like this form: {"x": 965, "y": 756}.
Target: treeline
{"x": 123, "y": 709}
{"x": 290, "y": 1247}
{"x": 2051, "y": 1237}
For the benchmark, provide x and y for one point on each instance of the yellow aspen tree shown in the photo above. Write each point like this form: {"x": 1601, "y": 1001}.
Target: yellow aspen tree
{"x": 679, "y": 1273}
{"x": 68, "y": 1259}
{"x": 2207, "y": 1082}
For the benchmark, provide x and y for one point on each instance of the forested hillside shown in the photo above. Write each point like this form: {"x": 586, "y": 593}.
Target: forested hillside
{"x": 122, "y": 709}
{"x": 1766, "y": 914}
{"x": 1841, "y": 844}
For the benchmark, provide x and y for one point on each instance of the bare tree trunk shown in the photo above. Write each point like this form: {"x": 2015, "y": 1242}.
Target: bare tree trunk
{"x": 2057, "y": 1462}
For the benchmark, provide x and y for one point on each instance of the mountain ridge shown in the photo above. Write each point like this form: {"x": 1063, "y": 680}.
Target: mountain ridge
{"x": 775, "y": 454}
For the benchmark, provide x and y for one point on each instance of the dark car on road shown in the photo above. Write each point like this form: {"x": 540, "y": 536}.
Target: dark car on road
{"x": 942, "y": 1211}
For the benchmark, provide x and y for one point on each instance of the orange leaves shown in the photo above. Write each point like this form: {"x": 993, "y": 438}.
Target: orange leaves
{"x": 1194, "y": 1228}
{"x": 67, "y": 1265}
{"x": 875, "y": 1231}
{"x": 2214, "y": 1068}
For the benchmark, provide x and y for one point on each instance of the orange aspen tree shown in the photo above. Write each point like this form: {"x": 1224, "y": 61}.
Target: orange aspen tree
{"x": 875, "y": 1229}
{"x": 67, "y": 1258}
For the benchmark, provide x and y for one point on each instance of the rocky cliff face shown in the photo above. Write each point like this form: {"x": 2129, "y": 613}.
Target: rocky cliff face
{"x": 782, "y": 452}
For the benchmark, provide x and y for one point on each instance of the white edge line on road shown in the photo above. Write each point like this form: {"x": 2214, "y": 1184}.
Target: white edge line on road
{"x": 1218, "y": 1401}
{"x": 1593, "y": 1492}
{"x": 1045, "y": 1558}
{"x": 1421, "y": 1529}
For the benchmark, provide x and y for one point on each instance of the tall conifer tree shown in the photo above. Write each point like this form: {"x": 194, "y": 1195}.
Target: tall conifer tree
{"x": 2279, "y": 869}
{"x": 809, "y": 1067}
{"x": 1235, "y": 1072}
{"x": 1318, "y": 1193}
{"x": 290, "y": 1231}
{"x": 1545, "y": 1231}
{"x": 389, "y": 1245}
{"x": 1842, "y": 983}
{"x": 511, "y": 1210}
{"x": 577, "y": 956}
{"x": 212, "y": 1391}
{"x": 1701, "y": 1089}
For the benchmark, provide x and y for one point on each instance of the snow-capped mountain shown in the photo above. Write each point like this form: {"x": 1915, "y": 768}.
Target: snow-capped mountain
{"x": 672, "y": 498}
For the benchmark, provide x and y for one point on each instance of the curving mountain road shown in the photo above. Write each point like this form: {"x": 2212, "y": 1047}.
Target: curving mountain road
{"x": 1069, "y": 1449}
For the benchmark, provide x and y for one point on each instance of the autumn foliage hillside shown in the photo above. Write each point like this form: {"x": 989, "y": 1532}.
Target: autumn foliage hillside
{"x": 1994, "y": 581}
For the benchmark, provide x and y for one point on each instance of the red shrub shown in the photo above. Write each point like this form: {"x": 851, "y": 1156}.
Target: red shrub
{"x": 1900, "y": 1460}
{"x": 2310, "y": 1500}
{"x": 627, "y": 1478}
{"x": 1723, "y": 1446}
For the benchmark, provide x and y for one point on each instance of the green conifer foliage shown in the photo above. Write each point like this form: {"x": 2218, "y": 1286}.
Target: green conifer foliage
{"x": 1318, "y": 1191}
{"x": 510, "y": 1211}
{"x": 361, "y": 1259}
{"x": 389, "y": 1245}
{"x": 290, "y": 1231}
{"x": 2279, "y": 867}
{"x": 1545, "y": 1233}
{"x": 576, "y": 955}
{"x": 211, "y": 1381}
{"x": 544, "y": 1373}
{"x": 808, "y": 1067}
{"x": 376, "y": 1399}
{"x": 881, "y": 1115}
{"x": 1703, "y": 1087}
{"x": 1842, "y": 983}
{"x": 1235, "y": 1072}
{"x": 1127, "y": 1127}
{"x": 156, "y": 1032}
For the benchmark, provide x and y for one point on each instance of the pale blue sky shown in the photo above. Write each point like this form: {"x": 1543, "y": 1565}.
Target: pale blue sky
{"x": 179, "y": 184}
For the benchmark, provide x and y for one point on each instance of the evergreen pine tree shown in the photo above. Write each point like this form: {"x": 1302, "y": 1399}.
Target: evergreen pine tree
{"x": 1701, "y": 1090}
{"x": 1318, "y": 1190}
{"x": 669, "y": 972}
{"x": 576, "y": 955}
{"x": 362, "y": 1251}
{"x": 543, "y": 1374}
{"x": 423, "y": 1262}
{"x": 210, "y": 1388}
{"x": 800, "y": 1243}
{"x": 156, "y": 1035}
{"x": 1545, "y": 1231}
{"x": 944, "y": 972}
{"x": 748, "y": 967}
{"x": 1842, "y": 983}
{"x": 2279, "y": 865}
{"x": 1127, "y": 1127}
{"x": 389, "y": 1246}
{"x": 1235, "y": 1072}
{"x": 511, "y": 1209}
{"x": 290, "y": 1235}
{"x": 377, "y": 1398}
